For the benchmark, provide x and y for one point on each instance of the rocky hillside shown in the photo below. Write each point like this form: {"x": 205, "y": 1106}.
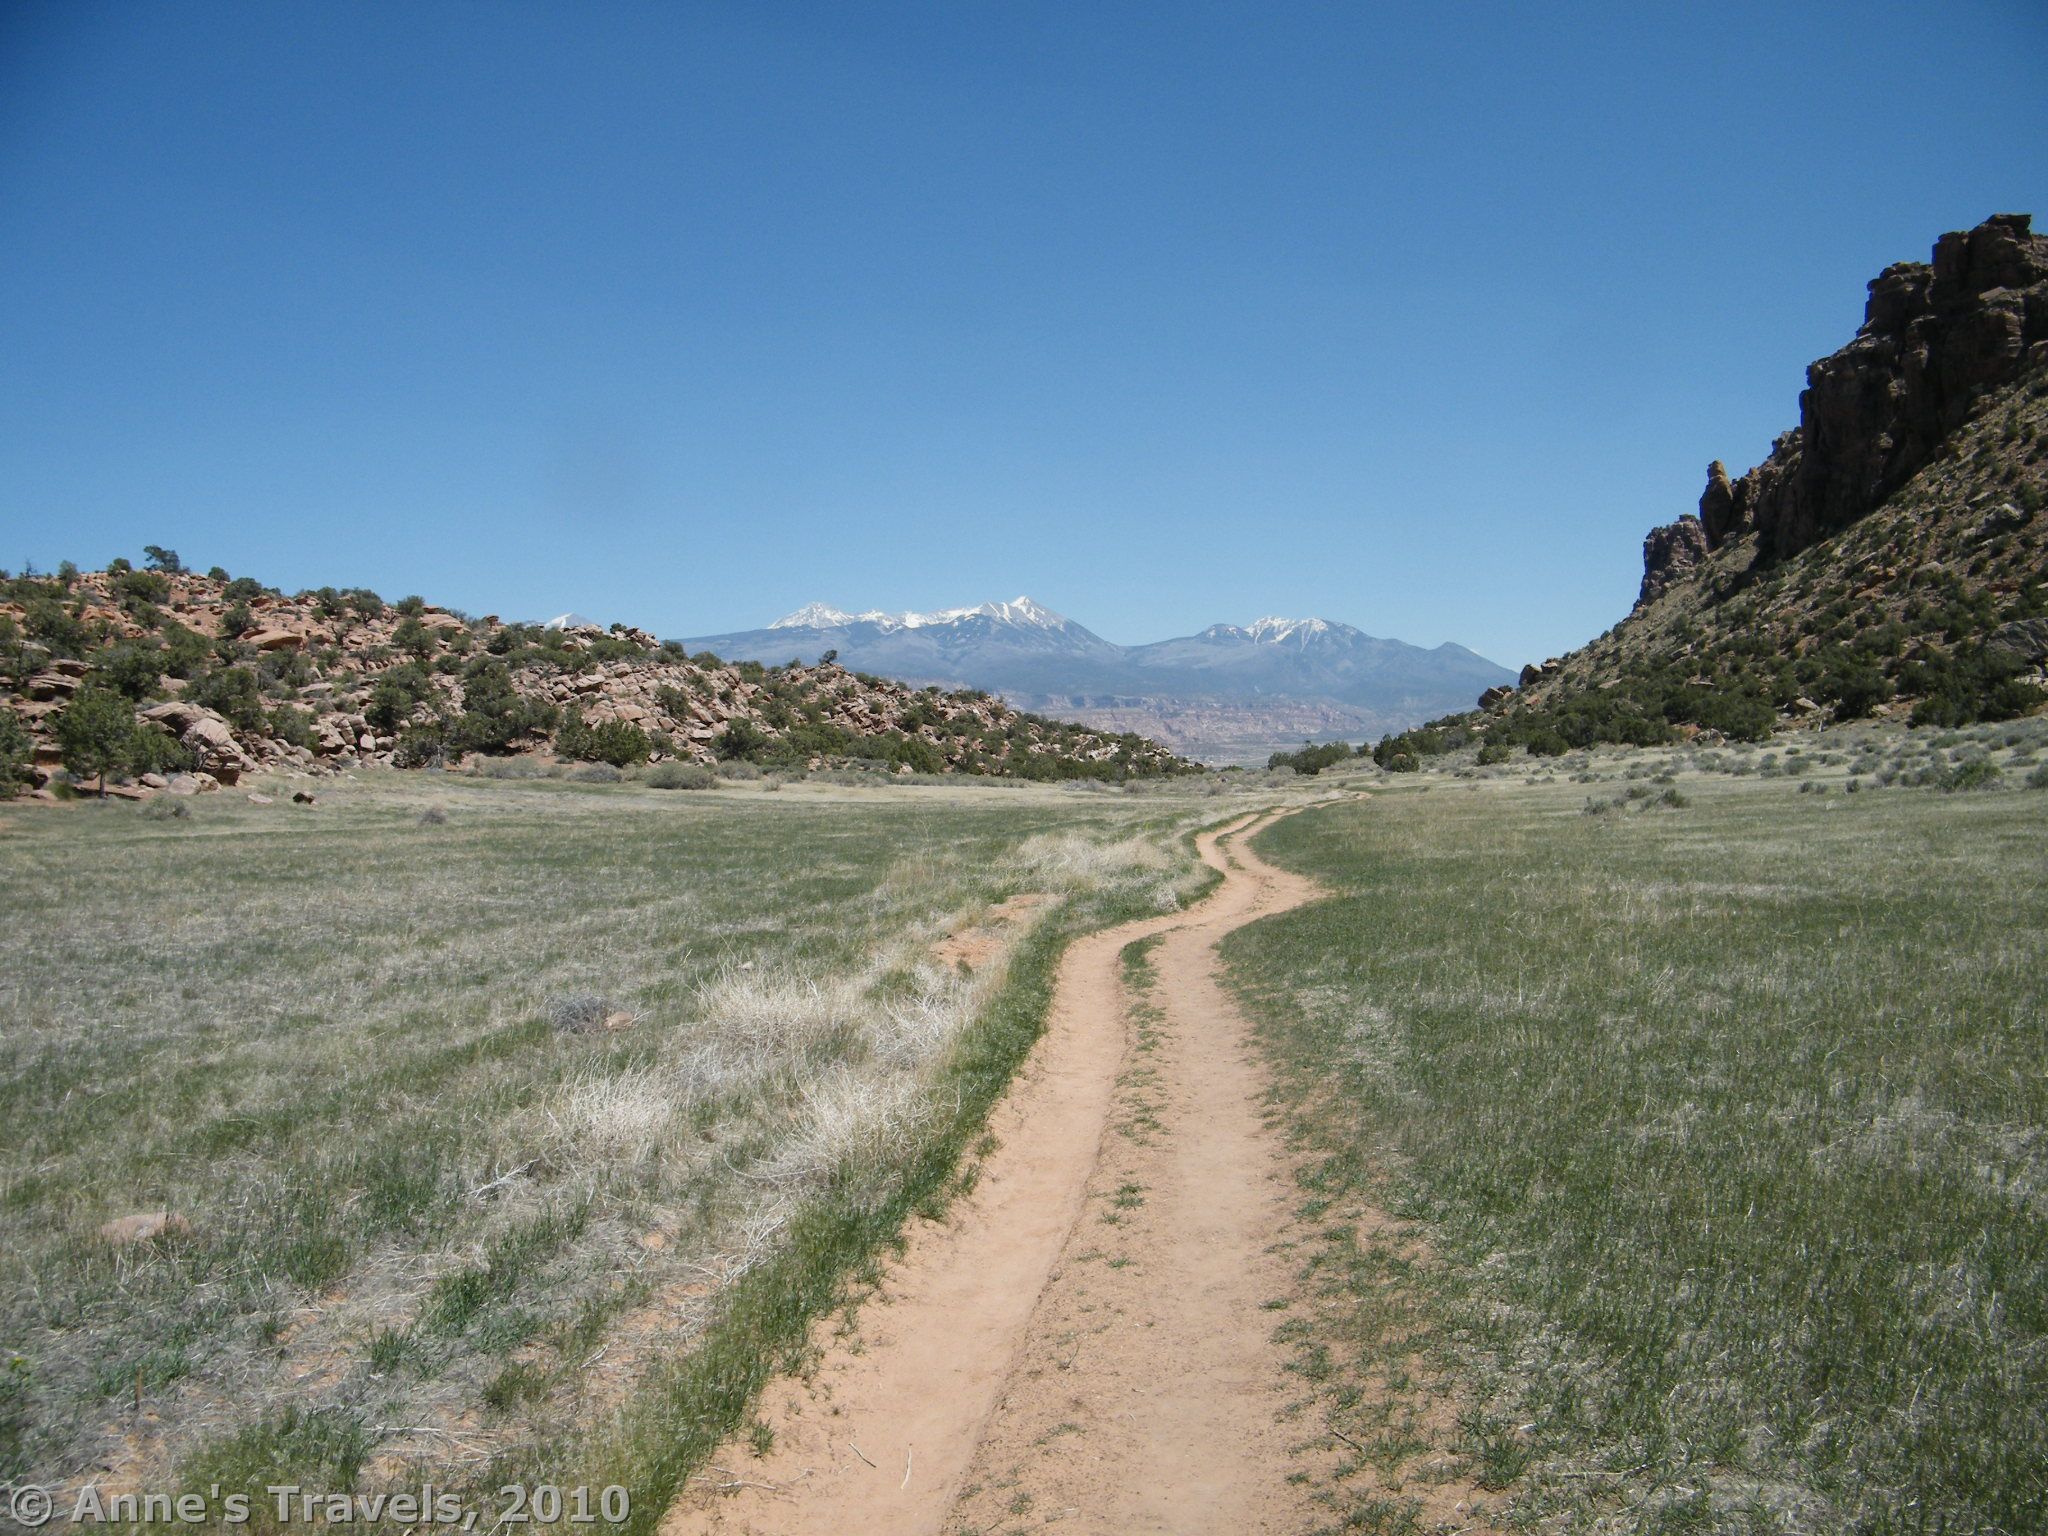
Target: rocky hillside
{"x": 160, "y": 677}
{"x": 1889, "y": 556}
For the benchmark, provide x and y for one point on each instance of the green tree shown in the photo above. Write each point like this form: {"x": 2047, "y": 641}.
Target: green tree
{"x": 160, "y": 559}
{"x": 133, "y": 668}
{"x": 494, "y": 713}
{"x": 395, "y": 695}
{"x": 741, "y": 738}
{"x": 15, "y": 748}
{"x": 96, "y": 733}
{"x": 413, "y": 637}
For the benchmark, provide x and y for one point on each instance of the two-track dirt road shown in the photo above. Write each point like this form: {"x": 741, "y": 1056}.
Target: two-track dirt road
{"x": 1085, "y": 1338}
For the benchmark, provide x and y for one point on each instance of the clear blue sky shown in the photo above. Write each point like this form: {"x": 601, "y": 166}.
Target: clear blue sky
{"x": 685, "y": 314}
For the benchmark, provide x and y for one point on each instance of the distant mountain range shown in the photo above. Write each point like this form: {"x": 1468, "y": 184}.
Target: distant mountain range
{"x": 1231, "y": 693}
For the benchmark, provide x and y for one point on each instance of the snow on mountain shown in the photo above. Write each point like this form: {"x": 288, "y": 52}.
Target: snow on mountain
{"x": 571, "y": 620}
{"x": 1277, "y": 631}
{"x": 814, "y": 616}
{"x": 1018, "y": 611}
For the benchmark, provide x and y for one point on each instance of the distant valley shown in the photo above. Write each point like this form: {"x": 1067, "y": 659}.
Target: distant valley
{"x": 1231, "y": 693}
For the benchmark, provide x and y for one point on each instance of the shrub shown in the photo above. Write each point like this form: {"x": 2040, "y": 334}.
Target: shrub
{"x": 595, "y": 773}
{"x": 1980, "y": 774}
{"x": 133, "y": 668}
{"x": 579, "y": 1013}
{"x": 232, "y": 693}
{"x": 1311, "y": 759}
{"x": 681, "y": 776}
{"x": 236, "y": 621}
{"x": 897, "y": 747}
{"x": 509, "y": 768}
{"x": 152, "y": 750}
{"x": 615, "y": 742}
{"x": 1495, "y": 752}
{"x": 740, "y": 738}
{"x": 421, "y": 746}
{"x": 396, "y": 694}
{"x": 142, "y": 586}
{"x": 494, "y": 713}
{"x": 414, "y": 638}
{"x": 291, "y": 725}
{"x": 166, "y": 808}
{"x": 56, "y": 626}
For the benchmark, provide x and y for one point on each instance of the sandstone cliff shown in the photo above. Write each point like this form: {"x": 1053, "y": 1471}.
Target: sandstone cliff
{"x": 1937, "y": 337}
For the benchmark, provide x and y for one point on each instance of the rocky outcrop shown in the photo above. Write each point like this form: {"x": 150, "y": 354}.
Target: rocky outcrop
{"x": 1668, "y": 553}
{"x": 1936, "y": 337}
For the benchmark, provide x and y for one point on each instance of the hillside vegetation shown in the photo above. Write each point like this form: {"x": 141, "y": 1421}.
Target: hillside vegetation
{"x": 162, "y": 677}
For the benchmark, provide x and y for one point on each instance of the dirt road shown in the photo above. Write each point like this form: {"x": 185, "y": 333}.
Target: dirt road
{"x": 1084, "y": 1340}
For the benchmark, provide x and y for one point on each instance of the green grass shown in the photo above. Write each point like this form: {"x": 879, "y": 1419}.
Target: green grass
{"x": 431, "y": 1231}
{"x": 1720, "y": 1130}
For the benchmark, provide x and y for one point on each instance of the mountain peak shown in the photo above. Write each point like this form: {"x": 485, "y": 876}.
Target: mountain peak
{"x": 813, "y": 616}
{"x": 1273, "y": 630}
{"x": 1019, "y": 611}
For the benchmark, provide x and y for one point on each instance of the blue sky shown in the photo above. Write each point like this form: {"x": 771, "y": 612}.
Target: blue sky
{"x": 1412, "y": 316}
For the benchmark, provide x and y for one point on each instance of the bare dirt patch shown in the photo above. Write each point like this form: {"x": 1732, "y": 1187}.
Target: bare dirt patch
{"x": 972, "y": 947}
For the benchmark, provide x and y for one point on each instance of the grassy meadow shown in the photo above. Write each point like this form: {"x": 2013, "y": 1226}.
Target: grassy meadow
{"x": 1712, "y": 1104}
{"x": 510, "y": 1129}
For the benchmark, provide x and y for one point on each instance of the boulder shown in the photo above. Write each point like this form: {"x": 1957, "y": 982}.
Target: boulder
{"x": 2024, "y": 640}
{"x": 276, "y": 640}
{"x": 210, "y": 737}
{"x": 50, "y": 685}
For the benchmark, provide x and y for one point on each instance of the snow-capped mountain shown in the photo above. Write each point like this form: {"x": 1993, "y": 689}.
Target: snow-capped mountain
{"x": 1276, "y": 631}
{"x": 1020, "y": 610}
{"x": 1229, "y": 692}
{"x": 570, "y": 620}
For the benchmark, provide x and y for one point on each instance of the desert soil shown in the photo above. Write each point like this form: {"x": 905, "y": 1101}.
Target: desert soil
{"x": 1084, "y": 1339}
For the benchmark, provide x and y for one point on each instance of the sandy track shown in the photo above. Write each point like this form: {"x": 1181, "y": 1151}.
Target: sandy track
{"x": 1084, "y": 1340}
